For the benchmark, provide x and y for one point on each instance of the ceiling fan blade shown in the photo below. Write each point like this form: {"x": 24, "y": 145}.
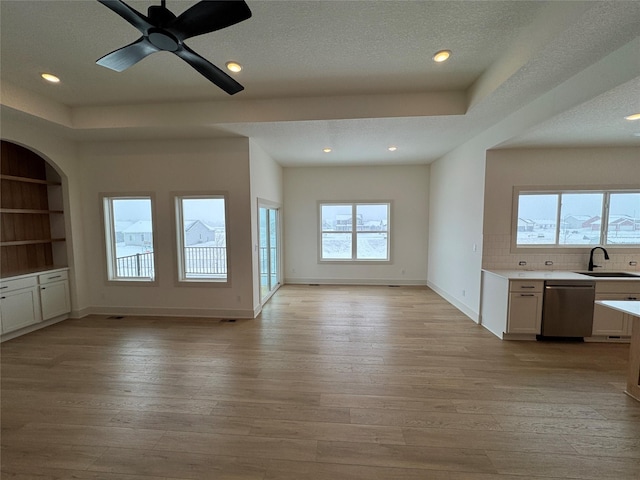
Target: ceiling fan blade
{"x": 209, "y": 70}
{"x": 125, "y": 57}
{"x": 132, "y": 16}
{"x": 208, "y": 16}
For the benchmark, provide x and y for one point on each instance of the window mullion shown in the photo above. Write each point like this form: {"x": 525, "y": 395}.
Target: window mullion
{"x": 558, "y": 219}
{"x": 354, "y": 234}
{"x": 604, "y": 224}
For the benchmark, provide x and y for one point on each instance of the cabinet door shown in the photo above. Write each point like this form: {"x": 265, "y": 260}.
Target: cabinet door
{"x": 19, "y": 309}
{"x": 54, "y": 298}
{"x": 607, "y": 321}
{"x": 525, "y": 313}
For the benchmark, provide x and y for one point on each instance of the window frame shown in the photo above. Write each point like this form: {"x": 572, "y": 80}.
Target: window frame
{"x": 354, "y": 232}
{"x": 109, "y": 243}
{"x": 181, "y": 278}
{"x": 606, "y": 191}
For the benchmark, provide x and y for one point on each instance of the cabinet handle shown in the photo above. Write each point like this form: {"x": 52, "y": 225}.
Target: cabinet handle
{"x": 42, "y": 288}
{"x": 632, "y": 298}
{"x": 527, "y": 295}
{"x": 527, "y": 286}
{"x": 6, "y": 286}
{"x": 2, "y": 298}
{"x": 57, "y": 276}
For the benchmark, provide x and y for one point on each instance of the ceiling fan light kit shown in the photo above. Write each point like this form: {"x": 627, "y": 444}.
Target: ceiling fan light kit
{"x": 163, "y": 31}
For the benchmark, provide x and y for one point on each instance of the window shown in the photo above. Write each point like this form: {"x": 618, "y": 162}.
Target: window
{"x": 129, "y": 238}
{"x": 577, "y": 218}
{"x": 202, "y": 238}
{"x": 354, "y": 231}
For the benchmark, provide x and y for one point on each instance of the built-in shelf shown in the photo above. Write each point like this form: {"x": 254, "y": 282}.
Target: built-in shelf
{"x": 31, "y": 211}
{"x": 30, "y": 242}
{"x": 32, "y": 217}
{"x": 29, "y": 180}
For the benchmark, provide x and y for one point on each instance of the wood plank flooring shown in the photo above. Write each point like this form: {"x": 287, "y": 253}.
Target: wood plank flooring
{"x": 329, "y": 383}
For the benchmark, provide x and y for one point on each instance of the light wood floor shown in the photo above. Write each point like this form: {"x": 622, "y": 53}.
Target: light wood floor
{"x": 330, "y": 383}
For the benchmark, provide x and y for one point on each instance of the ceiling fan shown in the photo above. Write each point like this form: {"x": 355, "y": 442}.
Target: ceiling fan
{"x": 163, "y": 31}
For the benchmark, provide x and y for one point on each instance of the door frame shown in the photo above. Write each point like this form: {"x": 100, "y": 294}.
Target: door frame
{"x": 278, "y": 207}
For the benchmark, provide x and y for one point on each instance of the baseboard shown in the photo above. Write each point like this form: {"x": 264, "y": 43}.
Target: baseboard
{"x": 33, "y": 328}
{"x": 174, "y": 312}
{"x": 352, "y": 281}
{"x": 473, "y": 315}
{"x": 81, "y": 313}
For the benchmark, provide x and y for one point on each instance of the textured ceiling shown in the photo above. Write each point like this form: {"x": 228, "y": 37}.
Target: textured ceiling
{"x": 353, "y": 75}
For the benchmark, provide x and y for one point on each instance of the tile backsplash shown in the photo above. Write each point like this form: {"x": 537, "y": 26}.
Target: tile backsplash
{"x": 496, "y": 255}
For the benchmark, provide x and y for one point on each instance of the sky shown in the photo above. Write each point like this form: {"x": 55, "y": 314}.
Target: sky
{"x": 210, "y": 211}
{"x": 544, "y": 206}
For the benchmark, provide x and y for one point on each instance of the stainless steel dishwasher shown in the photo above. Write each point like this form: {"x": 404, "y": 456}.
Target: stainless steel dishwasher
{"x": 567, "y": 308}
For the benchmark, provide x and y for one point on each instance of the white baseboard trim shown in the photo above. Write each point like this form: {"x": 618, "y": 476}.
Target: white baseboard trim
{"x": 174, "y": 312}
{"x": 81, "y": 313}
{"x": 33, "y": 328}
{"x": 473, "y": 315}
{"x": 352, "y": 281}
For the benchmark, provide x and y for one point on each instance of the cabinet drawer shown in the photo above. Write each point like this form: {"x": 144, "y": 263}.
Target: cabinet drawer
{"x": 531, "y": 286}
{"x": 629, "y": 287}
{"x": 18, "y": 283}
{"x": 49, "y": 277}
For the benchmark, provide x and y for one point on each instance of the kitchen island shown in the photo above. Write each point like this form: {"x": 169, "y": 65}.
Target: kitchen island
{"x": 633, "y": 377}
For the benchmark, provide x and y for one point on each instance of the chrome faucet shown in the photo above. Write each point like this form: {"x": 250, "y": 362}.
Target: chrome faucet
{"x": 591, "y": 265}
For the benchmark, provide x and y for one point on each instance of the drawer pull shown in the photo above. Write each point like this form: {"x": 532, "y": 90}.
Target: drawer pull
{"x": 6, "y": 286}
{"x": 527, "y": 295}
{"x": 2, "y": 298}
{"x": 632, "y": 298}
{"x": 43, "y": 288}
{"x": 56, "y": 276}
{"x": 527, "y": 286}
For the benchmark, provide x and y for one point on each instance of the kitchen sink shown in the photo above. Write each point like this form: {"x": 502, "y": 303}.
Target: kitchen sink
{"x": 609, "y": 274}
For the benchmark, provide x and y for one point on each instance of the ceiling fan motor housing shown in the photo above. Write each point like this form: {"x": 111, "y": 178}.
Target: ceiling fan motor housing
{"x": 163, "y": 40}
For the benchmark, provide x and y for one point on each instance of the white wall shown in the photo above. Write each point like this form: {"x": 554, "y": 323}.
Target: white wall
{"x": 406, "y": 186}
{"x": 588, "y": 167}
{"x": 266, "y": 184}
{"x": 163, "y": 167}
{"x": 61, "y": 154}
{"x": 455, "y": 226}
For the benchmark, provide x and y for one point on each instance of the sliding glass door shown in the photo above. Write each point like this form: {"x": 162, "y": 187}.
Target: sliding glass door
{"x": 269, "y": 255}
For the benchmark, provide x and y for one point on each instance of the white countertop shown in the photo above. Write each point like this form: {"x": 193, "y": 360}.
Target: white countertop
{"x": 554, "y": 275}
{"x": 631, "y": 307}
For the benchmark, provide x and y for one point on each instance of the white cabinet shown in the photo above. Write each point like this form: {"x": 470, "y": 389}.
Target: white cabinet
{"x": 54, "y": 294}
{"x": 19, "y": 304}
{"x": 30, "y": 299}
{"x": 525, "y": 307}
{"x": 511, "y": 308}
{"x": 609, "y": 322}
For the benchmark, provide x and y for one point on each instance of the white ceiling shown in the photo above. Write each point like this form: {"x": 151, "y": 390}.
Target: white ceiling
{"x": 353, "y": 75}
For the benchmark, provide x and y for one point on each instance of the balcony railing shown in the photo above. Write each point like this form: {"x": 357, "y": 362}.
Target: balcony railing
{"x": 198, "y": 261}
{"x": 138, "y": 265}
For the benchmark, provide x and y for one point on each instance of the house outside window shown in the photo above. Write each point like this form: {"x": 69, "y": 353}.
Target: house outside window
{"x": 128, "y": 227}
{"x": 354, "y": 232}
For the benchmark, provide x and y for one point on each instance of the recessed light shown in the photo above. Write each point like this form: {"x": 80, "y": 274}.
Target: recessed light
{"x": 50, "y": 78}
{"x": 326, "y": 150}
{"x": 234, "y": 67}
{"x": 442, "y": 56}
{"x": 635, "y": 116}
{"x": 392, "y": 148}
